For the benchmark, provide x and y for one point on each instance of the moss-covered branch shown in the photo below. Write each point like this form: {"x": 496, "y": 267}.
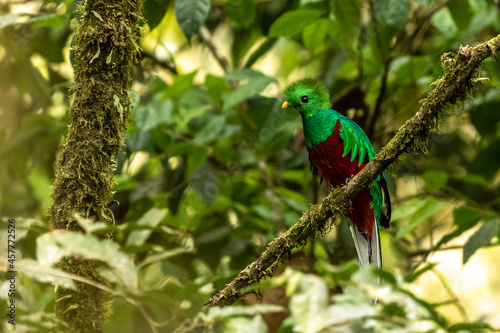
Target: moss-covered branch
{"x": 460, "y": 72}
{"x": 105, "y": 51}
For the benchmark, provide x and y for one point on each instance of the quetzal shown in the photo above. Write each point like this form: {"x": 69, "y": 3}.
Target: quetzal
{"x": 338, "y": 148}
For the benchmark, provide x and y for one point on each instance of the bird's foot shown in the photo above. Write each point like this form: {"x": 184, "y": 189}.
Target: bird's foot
{"x": 349, "y": 178}
{"x": 326, "y": 199}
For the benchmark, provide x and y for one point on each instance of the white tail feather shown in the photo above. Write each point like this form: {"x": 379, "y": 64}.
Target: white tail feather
{"x": 369, "y": 252}
{"x": 375, "y": 245}
{"x": 362, "y": 246}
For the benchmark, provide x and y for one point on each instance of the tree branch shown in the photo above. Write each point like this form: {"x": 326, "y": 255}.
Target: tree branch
{"x": 207, "y": 38}
{"x": 455, "y": 85}
{"x": 380, "y": 99}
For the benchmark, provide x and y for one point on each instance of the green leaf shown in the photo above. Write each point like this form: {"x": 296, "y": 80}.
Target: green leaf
{"x": 243, "y": 74}
{"x": 154, "y": 11}
{"x": 391, "y": 13}
{"x": 197, "y": 156}
{"x": 204, "y": 181}
{"x": 443, "y": 21}
{"x": 347, "y": 14}
{"x": 406, "y": 69}
{"x": 96, "y": 14}
{"x": 464, "y": 218}
{"x": 257, "y": 325}
{"x": 293, "y": 199}
{"x": 44, "y": 274}
{"x": 345, "y": 312}
{"x": 293, "y": 22}
{"x": 245, "y": 325}
{"x": 472, "y": 179}
{"x": 191, "y": 14}
{"x": 487, "y": 16}
{"x": 296, "y": 176}
{"x": 314, "y": 34}
{"x": 194, "y": 105}
{"x": 485, "y": 117}
{"x": 152, "y": 258}
{"x": 435, "y": 180}
{"x": 96, "y": 55}
{"x": 125, "y": 183}
{"x": 159, "y": 85}
{"x": 487, "y": 161}
{"x": 153, "y": 114}
{"x": 431, "y": 206}
{"x": 255, "y": 83}
{"x": 437, "y": 318}
{"x": 41, "y": 184}
{"x": 274, "y": 133}
{"x": 52, "y": 246}
{"x": 309, "y": 303}
{"x": 49, "y": 20}
{"x": 409, "y": 208}
{"x": 262, "y": 211}
{"x": 386, "y": 276}
{"x": 390, "y": 16}
{"x": 213, "y": 235}
{"x": 151, "y": 219}
{"x": 481, "y": 238}
{"x": 71, "y": 307}
{"x": 92, "y": 227}
{"x": 415, "y": 274}
{"x": 260, "y": 51}
{"x": 216, "y": 86}
{"x": 182, "y": 83}
{"x": 469, "y": 326}
{"x": 210, "y": 130}
{"x": 239, "y": 310}
{"x": 118, "y": 105}
{"x": 483, "y": 112}
{"x": 241, "y": 11}
{"x": 461, "y": 12}
{"x": 8, "y": 19}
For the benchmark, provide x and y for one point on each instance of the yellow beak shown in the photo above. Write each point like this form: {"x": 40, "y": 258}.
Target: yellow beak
{"x": 285, "y": 105}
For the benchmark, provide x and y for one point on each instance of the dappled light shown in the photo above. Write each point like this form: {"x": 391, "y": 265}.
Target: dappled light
{"x": 156, "y": 181}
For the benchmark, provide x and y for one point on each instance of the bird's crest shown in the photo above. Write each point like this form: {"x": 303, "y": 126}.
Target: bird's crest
{"x": 307, "y": 96}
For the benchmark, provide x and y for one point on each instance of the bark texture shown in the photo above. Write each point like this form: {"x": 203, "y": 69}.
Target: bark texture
{"x": 105, "y": 50}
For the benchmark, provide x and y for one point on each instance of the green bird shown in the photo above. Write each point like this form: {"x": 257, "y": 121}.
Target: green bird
{"x": 339, "y": 149}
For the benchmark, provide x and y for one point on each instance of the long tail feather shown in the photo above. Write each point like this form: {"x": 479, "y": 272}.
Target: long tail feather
{"x": 363, "y": 248}
{"x": 368, "y": 250}
{"x": 376, "y": 258}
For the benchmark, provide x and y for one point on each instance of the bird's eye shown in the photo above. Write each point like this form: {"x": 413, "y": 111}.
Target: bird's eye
{"x": 304, "y": 99}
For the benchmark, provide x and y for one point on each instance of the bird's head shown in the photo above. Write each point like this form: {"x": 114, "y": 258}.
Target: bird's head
{"x": 307, "y": 96}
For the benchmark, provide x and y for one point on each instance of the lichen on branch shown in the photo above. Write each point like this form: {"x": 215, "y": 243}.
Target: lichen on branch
{"x": 460, "y": 72}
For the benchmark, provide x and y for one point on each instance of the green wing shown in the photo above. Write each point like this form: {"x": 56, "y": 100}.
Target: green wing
{"x": 355, "y": 141}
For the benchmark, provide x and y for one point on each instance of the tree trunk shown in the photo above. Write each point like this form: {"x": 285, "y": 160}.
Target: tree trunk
{"x": 105, "y": 51}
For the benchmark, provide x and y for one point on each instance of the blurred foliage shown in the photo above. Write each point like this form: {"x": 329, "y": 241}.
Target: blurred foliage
{"x": 213, "y": 168}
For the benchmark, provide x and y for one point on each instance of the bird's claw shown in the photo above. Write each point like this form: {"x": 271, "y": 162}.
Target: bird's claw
{"x": 326, "y": 199}
{"x": 349, "y": 178}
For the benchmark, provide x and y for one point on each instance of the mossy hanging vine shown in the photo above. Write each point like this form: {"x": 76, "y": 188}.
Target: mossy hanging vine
{"x": 105, "y": 50}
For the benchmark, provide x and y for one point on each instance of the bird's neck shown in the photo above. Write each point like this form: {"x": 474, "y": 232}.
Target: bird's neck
{"x": 319, "y": 126}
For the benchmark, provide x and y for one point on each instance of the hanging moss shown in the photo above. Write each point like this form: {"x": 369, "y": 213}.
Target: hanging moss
{"x": 105, "y": 50}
